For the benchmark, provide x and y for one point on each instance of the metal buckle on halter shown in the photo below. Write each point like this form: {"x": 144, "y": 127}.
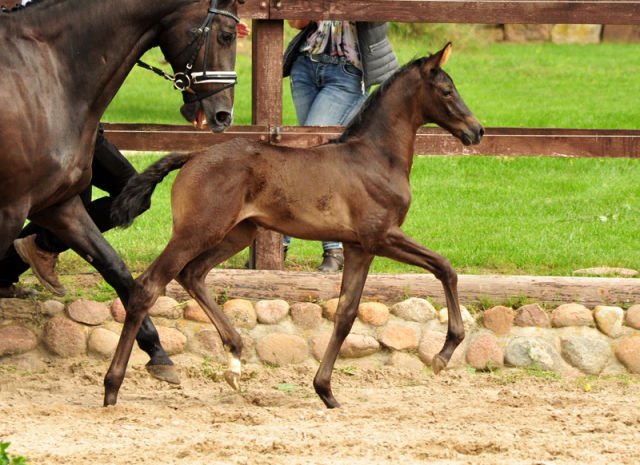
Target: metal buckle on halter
{"x": 182, "y": 81}
{"x": 214, "y": 77}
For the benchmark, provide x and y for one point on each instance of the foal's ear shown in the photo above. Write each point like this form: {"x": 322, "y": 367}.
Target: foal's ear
{"x": 437, "y": 60}
{"x": 444, "y": 55}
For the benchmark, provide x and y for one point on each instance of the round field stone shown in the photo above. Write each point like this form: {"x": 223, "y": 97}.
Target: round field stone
{"x": 609, "y": 319}
{"x": 16, "y": 340}
{"x": 172, "y": 340}
{"x": 88, "y": 312}
{"x": 431, "y": 345}
{"x": 632, "y": 318}
{"x": 306, "y": 315}
{"x": 498, "y": 319}
{"x": 241, "y": 313}
{"x": 373, "y": 313}
{"x": 400, "y": 338}
{"x": 103, "y": 342}
{"x": 628, "y": 352}
{"x": 532, "y": 315}
{"x": 329, "y": 309}
{"x": 586, "y": 354}
{"x": 271, "y": 312}
{"x": 571, "y": 315}
{"x": 166, "y": 307}
{"x": 282, "y": 349}
{"x": 528, "y": 352}
{"x": 485, "y": 353}
{"x": 65, "y": 338}
{"x": 193, "y": 312}
{"x": 117, "y": 310}
{"x": 415, "y": 309}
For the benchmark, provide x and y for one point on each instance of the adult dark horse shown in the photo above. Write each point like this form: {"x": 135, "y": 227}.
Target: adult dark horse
{"x": 226, "y": 192}
{"x": 62, "y": 62}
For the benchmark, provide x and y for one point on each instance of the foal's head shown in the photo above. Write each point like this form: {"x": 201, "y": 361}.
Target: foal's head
{"x": 442, "y": 103}
{"x": 181, "y": 28}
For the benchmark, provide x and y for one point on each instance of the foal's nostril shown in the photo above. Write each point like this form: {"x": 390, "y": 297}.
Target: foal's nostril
{"x": 481, "y": 132}
{"x": 223, "y": 117}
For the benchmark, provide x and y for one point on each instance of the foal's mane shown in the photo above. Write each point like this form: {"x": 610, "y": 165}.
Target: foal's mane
{"x": 361, "y": 117}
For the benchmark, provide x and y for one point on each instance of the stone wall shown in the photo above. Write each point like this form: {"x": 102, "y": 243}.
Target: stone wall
{"x": 569, "y": 339}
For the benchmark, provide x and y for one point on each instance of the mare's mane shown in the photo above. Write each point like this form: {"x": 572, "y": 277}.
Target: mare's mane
{"x": 361, "y": 117}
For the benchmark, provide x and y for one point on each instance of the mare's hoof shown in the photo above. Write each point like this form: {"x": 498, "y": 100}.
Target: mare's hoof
{"x": 233, "y": 379}
{"x": 166, "y": 373}
{"x": 438, "y": 364}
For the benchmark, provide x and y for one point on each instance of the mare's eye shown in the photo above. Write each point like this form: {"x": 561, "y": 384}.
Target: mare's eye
{"x": 446, "y": 92}
{"x": 225, "y": 37}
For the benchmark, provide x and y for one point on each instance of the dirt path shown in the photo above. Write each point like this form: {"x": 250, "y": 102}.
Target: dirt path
{"x": 389, "y": 416}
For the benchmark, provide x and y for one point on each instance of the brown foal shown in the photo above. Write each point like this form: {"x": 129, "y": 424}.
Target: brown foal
{"x": 354, "y": 189}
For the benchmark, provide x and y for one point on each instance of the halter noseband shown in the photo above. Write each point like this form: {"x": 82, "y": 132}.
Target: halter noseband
{"x": 183, "y": 81}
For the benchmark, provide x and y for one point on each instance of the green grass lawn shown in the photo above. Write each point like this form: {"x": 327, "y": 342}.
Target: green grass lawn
{"x": 530, "y": 215}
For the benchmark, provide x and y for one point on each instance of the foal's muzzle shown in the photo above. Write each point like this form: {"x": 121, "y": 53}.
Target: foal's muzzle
{"x": 472, "y": 135}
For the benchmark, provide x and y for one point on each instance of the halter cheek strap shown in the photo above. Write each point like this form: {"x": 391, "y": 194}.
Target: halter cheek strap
{"x": 183, "y": 81}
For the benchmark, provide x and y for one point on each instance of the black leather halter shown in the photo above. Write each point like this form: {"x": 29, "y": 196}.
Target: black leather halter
{"x": 183, "y": 81}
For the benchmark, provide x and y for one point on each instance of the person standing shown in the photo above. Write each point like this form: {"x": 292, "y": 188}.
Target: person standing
{"x": 332, "y": 66}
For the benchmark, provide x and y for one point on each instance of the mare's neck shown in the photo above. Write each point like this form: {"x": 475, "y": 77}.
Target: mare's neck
{"x": 93, "y": 45}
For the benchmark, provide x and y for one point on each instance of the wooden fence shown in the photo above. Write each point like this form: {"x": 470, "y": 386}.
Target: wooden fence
{"x": 267, "y": 47}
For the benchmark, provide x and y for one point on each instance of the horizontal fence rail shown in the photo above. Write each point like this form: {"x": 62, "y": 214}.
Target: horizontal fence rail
{"x": 549, "y": 142}
{"x": 477, "y": 11}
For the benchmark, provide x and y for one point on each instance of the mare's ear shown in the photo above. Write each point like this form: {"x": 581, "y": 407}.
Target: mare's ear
{"x": 437, "y": 60}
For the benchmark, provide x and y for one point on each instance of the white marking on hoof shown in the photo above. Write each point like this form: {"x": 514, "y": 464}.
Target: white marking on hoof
{"x": 234, "y": 371}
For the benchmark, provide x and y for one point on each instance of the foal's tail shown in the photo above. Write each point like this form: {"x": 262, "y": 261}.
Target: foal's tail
{"x": 135, "y": 198}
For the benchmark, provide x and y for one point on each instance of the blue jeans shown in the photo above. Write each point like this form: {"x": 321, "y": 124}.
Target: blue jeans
{"x": 325, "y": 95}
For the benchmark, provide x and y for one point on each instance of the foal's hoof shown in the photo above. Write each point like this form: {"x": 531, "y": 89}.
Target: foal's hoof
{"x": 438, "y": 364}
{"x": 166, "y": 373}
{"x": 233, "y": 379}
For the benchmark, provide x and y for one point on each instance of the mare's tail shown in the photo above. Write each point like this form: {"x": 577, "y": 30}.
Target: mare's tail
{"x": 135, "y": 198}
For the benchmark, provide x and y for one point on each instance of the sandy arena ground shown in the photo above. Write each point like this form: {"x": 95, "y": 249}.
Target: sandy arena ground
{"x": 388, "y": 416}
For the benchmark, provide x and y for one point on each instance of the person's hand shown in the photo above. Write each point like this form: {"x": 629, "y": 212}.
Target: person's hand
{"x": 243, "y": 30}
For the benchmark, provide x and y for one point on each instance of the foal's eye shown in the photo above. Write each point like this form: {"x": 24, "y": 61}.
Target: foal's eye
{"x": 225, "y": 37}
{"x": 446, "y": 92}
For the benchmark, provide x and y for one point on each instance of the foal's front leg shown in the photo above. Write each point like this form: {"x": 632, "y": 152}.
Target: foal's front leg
{"x": 356, "y": 268}
{"x": 398, "y": 246}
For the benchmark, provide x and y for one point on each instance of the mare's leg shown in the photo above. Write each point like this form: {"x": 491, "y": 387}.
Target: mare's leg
{"x": 398, "y": 246}
{"x": 11, "y": 221}
{"x": 356, "y": 268}
{"x": 192, "y": 278}
{"x": 72, "y": 224}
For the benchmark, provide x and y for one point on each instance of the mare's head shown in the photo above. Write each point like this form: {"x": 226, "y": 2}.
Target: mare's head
{"x": 442, "y": 103}
{"x": 184, "y": 43}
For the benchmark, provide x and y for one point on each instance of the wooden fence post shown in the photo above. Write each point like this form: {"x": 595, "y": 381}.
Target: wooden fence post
{"x": 266, "y": 251}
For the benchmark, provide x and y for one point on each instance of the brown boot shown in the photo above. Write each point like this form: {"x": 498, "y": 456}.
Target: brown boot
{"x": 333, "y": 260}
{"x": 42, "y": 263}
{"x": 15, "y": 292}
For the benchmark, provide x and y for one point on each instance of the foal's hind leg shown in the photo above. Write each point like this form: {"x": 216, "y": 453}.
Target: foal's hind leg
{"x": 183, "y": 247}
{"x": 192, "y": 279}
{"x": 398, "y": 246}
{"x": 72, "y": 224}
{"x": 356, "y": 268}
